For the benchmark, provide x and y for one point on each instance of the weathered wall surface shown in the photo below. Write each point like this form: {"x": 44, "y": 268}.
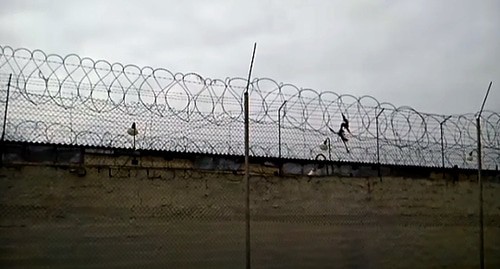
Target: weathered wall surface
{"x": 106, "y": 215}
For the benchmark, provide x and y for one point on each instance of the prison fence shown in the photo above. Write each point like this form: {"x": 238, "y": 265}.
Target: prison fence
{"x": 72, "y": 197}
{"x": 76, "y": 100}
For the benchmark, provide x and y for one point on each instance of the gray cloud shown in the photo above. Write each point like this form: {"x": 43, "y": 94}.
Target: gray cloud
{"x": 436, "y": 56}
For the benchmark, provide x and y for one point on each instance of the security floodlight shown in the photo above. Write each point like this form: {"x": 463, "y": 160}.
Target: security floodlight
{"x": 327, "y": 145}
{"x": 469, "y": 157}
{"x": 324, "y": 146}
{"x": 132, "y": 130}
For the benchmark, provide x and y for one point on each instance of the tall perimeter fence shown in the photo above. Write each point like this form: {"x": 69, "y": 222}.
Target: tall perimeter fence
{"x": 80, "y": 101}
{"x": 107, "y": 212}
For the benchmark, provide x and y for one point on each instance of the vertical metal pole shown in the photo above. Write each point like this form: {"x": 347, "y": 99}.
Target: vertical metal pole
{"x": 280, "y": 172}
{"x": 279, "y": 134}
{"x": 479, "y": 167}
{"x": 329, "y": 155}
{"x": 71, "y": 115}
{"x": 329, "y": 149}
{"x": 4, "y": 121}
{"x": 247, "y": 164}
{"x": 442, "y": 143}
{"x": 480, "y": 182}
{"x": 6, "y": 109}
{"x": 247, "y": 188}
{"x": 378, "y": 145}
{"x": 229, "y": 140}
{"x": 442, "y": 147}
{"x": 134, "y": 133}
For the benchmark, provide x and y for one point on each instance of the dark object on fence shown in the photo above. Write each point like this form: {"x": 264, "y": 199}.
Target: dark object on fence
{"x": 343, "y": 126}
{"x": 345, "y": 123}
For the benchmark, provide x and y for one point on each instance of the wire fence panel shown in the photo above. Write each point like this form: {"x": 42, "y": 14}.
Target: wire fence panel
{"x": 72, "y": 194}
{"x": 80, "y": 101}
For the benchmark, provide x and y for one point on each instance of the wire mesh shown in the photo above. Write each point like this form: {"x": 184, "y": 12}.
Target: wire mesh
{"x": 79, "y": 101}
{"x": 70, "y": 195}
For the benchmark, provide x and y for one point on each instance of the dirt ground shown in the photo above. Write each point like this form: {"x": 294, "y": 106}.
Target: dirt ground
{"x": 198, "y": 243}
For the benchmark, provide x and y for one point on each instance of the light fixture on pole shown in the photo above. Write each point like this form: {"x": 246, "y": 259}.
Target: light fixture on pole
{"x": 469, "y": 157}
{"x": 132, "y": 131}
{"x": 326, "y": 145}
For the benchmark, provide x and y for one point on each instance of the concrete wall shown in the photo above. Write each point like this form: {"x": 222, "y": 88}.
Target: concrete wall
{"x": 104, "y": 212}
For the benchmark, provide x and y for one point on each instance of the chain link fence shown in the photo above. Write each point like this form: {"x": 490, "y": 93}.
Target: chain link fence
{"x": 79, "y": 101}
{"x": 76, "y": 190}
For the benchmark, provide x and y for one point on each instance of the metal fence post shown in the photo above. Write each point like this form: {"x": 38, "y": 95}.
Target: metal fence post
{"x": 2, "y": 139}
{"x": 480, "y": 182}
{"x": 378, "y": 144}
{"x": 280, "y": 171}
{"x": 6, "y": 109}
{"x": 247, "y": 166}
{"x": 442, "y": 142}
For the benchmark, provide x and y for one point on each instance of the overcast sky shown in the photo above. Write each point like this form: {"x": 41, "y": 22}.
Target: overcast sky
{"x": 436, "y": 56}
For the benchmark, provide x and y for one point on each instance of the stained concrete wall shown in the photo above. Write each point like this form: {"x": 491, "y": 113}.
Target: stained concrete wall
{"x": 104, "y": 212}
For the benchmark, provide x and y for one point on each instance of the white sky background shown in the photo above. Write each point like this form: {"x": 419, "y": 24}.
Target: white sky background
{"x": 435, "y": 56}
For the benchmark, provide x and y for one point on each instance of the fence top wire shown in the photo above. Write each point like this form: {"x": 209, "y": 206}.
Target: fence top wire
{"x": 77, "y": 100}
